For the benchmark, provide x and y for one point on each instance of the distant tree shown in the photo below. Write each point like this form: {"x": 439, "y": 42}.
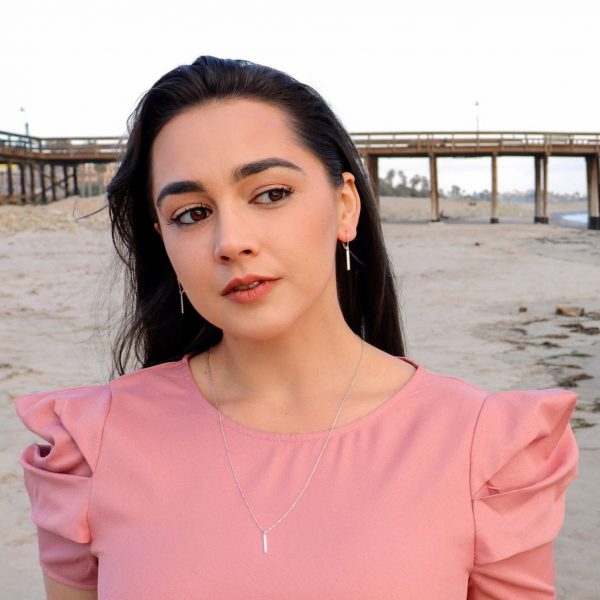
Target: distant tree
{"x": 389, "y": 178}
{"x": 483, "y": 195}
{"x": 402, "y": 190}
{"x": 414, "y": 182}
{"x": 455, "y": 192}
{"x": 425, "y": 184}
{"x": 386, "y": 189}
{"x": 402, "y": 177}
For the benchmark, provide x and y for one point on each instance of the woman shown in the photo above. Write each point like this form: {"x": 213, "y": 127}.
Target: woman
{"x": 277, "y": 443}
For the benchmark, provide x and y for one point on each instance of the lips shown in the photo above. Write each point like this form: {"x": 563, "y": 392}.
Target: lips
{"x": 247, "y": 279}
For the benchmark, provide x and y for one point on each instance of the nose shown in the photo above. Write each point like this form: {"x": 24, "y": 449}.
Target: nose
{"x": 234, "y": 236}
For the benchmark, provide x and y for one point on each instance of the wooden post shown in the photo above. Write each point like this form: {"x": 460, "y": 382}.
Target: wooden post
{"x": 494, "y": 218}
{"x": 544, "y": 216}
{"x": 53, "y": 181}
{"x": 593, "y": 191}
{"x": 65, "y": 179}
{"x": 31, "y": 183}
{"x": 11, "y": 189}
{"x": 22, "y": 178}
{"x": 43, "y": 183}
{"x": 538, "y": 188}
{"x": 75, "y": 184}
{"x": 434, "y": 196}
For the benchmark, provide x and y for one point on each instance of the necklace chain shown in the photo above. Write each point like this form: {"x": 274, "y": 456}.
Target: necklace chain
{"x": 263, "y": 531}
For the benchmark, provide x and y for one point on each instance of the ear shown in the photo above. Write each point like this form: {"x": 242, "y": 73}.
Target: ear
{"x": 157, "y": 227}
{"x": 348, "y": 208}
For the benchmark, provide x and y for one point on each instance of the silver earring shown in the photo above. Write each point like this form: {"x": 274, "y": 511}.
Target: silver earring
{"x": 346, "y": 245}
{"x": 181, "y": 296}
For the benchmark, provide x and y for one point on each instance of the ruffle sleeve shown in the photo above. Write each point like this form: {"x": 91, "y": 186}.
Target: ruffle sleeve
{"x": 58, "y": 476}
{"x": 523, "y": 457}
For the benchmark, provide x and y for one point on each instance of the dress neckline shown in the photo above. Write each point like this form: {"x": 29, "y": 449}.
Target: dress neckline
{"x": 408, "y": 389}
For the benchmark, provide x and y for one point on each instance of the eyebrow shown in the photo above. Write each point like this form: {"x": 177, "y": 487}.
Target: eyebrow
{"x": 237, "y": 174}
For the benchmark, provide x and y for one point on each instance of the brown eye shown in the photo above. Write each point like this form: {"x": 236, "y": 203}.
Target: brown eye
{"x": 274, "y": 195}
{"x": 197, "y": 214}
{"x": 191, "y": 215}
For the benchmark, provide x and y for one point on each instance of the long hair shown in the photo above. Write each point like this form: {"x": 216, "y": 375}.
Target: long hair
{"x": 152, "y": 329}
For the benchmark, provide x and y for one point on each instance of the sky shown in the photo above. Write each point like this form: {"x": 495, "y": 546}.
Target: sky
{"x": 78, "y": 67}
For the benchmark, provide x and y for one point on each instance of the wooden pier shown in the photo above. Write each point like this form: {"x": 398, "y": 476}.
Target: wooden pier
{"x": 43, "y": 169}
{"x": 538, "y": 145}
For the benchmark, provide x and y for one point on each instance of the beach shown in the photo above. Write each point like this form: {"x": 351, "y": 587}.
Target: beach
{"x": 488, "y": 292}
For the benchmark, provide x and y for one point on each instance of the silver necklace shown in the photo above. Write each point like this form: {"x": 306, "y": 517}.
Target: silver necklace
{"x": 264, "y": 531}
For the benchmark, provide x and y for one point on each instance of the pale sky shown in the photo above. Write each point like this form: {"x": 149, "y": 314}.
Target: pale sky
{"x": 79, "y": 66}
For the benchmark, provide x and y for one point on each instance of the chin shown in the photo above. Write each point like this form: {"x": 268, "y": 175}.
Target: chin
{"x": 256, "y": 334}
{"x": 255, "y": 329}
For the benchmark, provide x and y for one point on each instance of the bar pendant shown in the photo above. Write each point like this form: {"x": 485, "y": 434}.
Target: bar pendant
{"x": 265, "y": 545}
{"x": 347, "y": 260}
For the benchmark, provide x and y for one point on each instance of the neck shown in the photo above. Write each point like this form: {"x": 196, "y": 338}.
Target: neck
{"x": 290, "y": 370}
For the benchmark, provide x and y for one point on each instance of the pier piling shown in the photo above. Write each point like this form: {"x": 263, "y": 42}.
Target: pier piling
{"x": 593, "y": 191}
{"x": 435, "y": 200}
{"x": 494, "y": 217}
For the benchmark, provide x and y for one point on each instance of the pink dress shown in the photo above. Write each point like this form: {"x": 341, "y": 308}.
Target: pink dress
{"x": 444, "y": 491}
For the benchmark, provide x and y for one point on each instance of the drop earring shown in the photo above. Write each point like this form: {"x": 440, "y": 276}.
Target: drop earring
{"x": 346, "y": 245}
{"x": 180, "y": 296}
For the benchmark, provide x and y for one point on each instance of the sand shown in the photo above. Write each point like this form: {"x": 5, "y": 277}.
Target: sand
{"x": 463, "y": 279}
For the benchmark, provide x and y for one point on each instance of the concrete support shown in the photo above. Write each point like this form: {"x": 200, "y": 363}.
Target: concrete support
{"x": 435, "y": 200}
{"x": 544, "y": 189}
{"x": 593, "y": 191}
{"x": 539, "y": 200}
{"x": 494, "y": 218}
{"x": 373, "y": 170}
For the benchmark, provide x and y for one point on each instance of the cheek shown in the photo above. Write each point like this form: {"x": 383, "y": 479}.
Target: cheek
{"x": 317, "y": 234}
{"x": 184, "y": 251}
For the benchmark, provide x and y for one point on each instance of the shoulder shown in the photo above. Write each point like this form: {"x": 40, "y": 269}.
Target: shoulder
{"x": 518, "y": 429}
{"x": 75, "y": 416}
{"x": 72, "y": 421}
{"x": 448, "y": 390}
{"x": 523, "y": 456}
{"x": 154, "y": 379}
{"x": 530, "y": 408}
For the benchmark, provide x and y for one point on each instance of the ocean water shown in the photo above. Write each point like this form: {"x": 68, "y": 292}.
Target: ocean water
{"x": 577, "y": 217}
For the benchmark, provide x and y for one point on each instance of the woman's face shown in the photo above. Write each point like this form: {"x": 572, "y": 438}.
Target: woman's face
{"x": 237, "y": 195}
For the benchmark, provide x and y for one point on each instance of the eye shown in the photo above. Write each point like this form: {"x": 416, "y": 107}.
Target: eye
{"x": 274, "y": 195}
{"x": 191, "y": 215}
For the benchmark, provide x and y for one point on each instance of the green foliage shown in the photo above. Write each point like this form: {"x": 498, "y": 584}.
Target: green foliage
{"x": 418, "y": 186}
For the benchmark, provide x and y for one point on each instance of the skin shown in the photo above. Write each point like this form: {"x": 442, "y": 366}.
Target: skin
{"x": 286, "y": 360}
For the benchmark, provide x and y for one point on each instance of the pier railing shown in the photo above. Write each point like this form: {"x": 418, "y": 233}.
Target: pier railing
{"x": 457, "y": 141}
{"x": 110, "y": 148}
{"x": 61, "y": 147}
